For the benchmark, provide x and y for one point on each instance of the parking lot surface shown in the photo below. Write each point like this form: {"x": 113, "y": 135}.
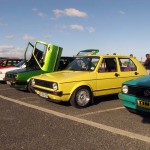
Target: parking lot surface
{"x": 28, "y": 121}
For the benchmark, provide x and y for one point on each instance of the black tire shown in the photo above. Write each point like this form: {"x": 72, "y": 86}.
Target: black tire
{"x": 81, "y": 97}
{"x": 30, "y": 88}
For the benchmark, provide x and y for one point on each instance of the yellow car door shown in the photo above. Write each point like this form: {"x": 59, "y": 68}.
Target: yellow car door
{"x": 112, "y": 72}
{"x": 107, "y": 77}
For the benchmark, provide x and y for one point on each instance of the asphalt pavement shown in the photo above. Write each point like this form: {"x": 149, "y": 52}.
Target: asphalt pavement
{"x": 30, "y": 122}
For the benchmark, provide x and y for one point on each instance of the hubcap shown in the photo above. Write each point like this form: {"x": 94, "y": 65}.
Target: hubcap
{"x": 83, "y": 97}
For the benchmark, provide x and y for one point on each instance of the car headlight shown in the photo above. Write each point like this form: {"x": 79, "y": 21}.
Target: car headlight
{"x": 125, "y": 89}
{"x": 55, "y": 86}
{"x": 15, "y": 76}
{"x": 32, "y": 82}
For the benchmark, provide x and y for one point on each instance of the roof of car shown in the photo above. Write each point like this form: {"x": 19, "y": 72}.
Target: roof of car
{"x": 11, "y": 58}
{"x": 108, "y": 55}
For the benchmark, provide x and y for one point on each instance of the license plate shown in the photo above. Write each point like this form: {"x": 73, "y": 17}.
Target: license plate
{"x": 8, "y": 82}
{"x": 42, "y": 94}
{"x": 143, "y": 104}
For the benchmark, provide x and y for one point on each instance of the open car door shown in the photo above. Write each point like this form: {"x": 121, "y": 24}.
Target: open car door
{"x": 47, "y": 56}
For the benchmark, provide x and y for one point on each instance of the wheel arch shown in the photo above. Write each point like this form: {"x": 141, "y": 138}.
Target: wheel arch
{"x": 29, "y": 88}
{"x": 80, "y": 86}
{"x": 29, "y": 80}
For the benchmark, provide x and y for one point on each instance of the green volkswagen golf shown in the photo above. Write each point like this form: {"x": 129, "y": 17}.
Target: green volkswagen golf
{"x": 39, "y": 57}
{"x": 135, "y": 94}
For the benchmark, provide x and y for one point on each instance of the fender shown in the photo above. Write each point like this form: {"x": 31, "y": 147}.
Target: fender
{"x": 79, "y": 85}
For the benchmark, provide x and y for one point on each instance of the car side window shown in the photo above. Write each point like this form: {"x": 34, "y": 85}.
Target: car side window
{"x": 14, "y": 62}
{"x": 9, "y": 63}
{"x": 127, "y": 64}
{"x": 4, "y": 63}
{"x": 108, "y": 65}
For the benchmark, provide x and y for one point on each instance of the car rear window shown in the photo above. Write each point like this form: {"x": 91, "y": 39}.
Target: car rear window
{"x": 127, "y": 64}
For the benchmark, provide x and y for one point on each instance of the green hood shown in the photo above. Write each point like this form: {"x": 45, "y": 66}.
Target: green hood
{"x": 141, "y": 81}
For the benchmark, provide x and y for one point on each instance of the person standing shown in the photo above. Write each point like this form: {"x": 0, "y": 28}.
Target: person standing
{"x": 147, "y": 63}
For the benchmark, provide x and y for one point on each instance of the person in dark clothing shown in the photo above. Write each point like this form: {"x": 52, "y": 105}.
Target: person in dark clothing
{"x": 147, "y": 63}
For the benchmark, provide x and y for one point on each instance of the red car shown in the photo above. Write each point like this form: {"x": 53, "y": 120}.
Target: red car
{"x": 9, "y": 62}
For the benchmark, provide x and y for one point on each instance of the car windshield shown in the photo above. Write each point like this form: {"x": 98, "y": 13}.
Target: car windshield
{"x": 20, "y": 63}
{"x": 83, "y": 64}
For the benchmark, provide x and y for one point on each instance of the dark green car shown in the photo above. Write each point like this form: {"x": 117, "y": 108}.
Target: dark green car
{"x": 135, "y": 94}
{"x": 42, "y": 58}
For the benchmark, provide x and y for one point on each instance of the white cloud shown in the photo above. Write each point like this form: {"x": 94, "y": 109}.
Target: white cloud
{"x": 74, "y": 13}
{"x": 58, "y": 12}
{"x": 122, "y": 12}
{"x": 6, "y": 47}
{"x": 71, "y": 12}
{"x": 28, "y": 38}
{"x": 77, "y": 27}
{"x": 90, "y": 29}
{"x": 39, "y": 13}
{"x": 11, "y": 51}
{"x": 9, "y": 36}
{"x": 35, "y": 9}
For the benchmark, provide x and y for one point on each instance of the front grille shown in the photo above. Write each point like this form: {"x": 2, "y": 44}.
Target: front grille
{"x": 141, "y": 92}
{"x": 43, "y": 83}
{"x": 10, "y": 76}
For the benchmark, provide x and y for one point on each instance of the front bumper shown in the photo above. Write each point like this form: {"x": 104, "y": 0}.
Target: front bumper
{"x": 22, "y": 85}
{"x": 52, "y": 95}
{"x": 135, "y": 103}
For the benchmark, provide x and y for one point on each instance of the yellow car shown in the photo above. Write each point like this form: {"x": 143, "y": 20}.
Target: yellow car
{"x": 87, "y": 77}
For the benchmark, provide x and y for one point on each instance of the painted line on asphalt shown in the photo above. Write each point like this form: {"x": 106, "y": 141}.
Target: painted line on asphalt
{"x": 28, "y": 97}
{"x": 100, "y": 111}
{"x": 83, "y": 121}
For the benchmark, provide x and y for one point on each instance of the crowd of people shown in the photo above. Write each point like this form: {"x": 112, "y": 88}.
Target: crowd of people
{"x": 147, "y": 63}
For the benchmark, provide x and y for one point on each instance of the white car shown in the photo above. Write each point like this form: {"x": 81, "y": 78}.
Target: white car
{"x": 4, "y": 70}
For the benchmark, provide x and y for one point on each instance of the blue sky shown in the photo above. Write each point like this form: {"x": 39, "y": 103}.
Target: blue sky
{"x": 112, "y": 26}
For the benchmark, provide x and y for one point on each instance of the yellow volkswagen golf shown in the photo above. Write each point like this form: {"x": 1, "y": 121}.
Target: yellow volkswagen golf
{"x": 87, "y": 77}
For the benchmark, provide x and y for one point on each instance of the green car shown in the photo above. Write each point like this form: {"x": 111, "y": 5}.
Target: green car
{"x": 40, "y": 58}
{"x": 135, "y": 95}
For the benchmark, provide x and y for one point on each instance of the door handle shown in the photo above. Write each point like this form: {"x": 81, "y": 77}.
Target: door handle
{"x": 117, "y": 74}
{"x": 136, "y": 73}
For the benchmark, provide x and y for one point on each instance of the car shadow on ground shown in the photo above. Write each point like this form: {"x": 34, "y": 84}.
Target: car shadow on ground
{"x": 2, "y": 82}
{"x": 145, "y": 118}
{"x": 143, "y": 114}
{"x": 100, "y": 99}
{"x": 96, "y": 100}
